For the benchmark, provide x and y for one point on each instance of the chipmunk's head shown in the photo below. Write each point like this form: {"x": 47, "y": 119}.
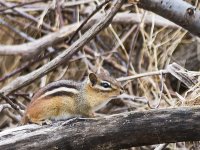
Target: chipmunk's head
{"x": 104, "y": 84}
{"x": 101, "y": 88}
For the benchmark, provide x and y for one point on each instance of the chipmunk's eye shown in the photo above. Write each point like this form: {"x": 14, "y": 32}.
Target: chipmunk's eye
{"x": 105, "y": 84}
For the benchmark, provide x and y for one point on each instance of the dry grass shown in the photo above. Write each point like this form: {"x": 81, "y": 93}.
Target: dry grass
{"x": 154, "y": 48}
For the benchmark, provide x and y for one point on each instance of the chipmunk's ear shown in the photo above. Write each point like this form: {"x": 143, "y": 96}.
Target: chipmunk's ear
{"x": 93, "y": 78}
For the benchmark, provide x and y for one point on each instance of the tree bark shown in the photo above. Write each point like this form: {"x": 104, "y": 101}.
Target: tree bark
{"x": 111, "y": 132}
{"x": 177, "y": 11}
{"x": 35, "y": 46}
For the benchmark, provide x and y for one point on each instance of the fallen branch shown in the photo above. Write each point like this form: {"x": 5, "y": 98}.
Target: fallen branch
{"x": 111, "y": 132}
{"x": 39, "y": 44}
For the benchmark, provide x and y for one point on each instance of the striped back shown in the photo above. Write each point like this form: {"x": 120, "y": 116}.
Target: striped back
{"x": 57, "y": 88}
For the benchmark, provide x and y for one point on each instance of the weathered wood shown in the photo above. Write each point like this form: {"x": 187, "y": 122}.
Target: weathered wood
{"x": 182, "y": 74}
{"x": 112, "y": 132}
{"x": 177, "y": 11}
{"x": 39, "y": 44}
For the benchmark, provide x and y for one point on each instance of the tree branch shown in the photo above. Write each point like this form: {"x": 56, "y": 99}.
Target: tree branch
{"x": 111, "y": 132}
{"x": 39, "y": 44}
{"x": 66, "y": 55}
{"x": 177, "y": 11}
{"x": 53, "y": 38}
{"x": 133, "y": 18}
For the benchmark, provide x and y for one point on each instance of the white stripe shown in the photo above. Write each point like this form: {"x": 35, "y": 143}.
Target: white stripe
{"x": 102, "y": 88}
{"x": 61, "y": 89}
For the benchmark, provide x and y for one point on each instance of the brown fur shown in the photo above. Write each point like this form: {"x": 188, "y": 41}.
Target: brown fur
{"x": 64, "y": 104}
{"x": 96, "y": 97}
{"x": 54, "y": 85}
{"x": 46, "y": 108}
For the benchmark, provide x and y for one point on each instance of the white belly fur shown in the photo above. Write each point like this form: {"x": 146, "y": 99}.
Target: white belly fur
{"x": 64, "y": 116}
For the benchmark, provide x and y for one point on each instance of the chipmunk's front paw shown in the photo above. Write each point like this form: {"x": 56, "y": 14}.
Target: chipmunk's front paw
{"x": 47, "y": 122}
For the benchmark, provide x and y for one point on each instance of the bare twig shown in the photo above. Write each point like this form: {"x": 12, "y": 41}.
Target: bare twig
{"x": 25, "y": 36}
{"x": 22, "y": 4}
{"x": 26, "y": 15}
{"x": 3, "y": 106}
{"x": 66, "y": 55}
{"x": 142, "y": 75}
{"x": 75, "y": 3}
{"x": 59, "y": 12}
{"x": 14, "y": 106}
{"x": 133, "y": 42}
{"x": 85, "y": 21}
{"x": 24, "y": 66}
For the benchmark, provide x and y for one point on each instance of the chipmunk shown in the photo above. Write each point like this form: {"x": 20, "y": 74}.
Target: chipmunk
{"x": 66, "y": 99}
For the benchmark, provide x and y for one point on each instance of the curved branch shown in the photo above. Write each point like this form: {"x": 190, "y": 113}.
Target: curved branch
{"x": 39, "y": 44}
{"x": 133, "y": 18}
{"x": 111, "y": 132}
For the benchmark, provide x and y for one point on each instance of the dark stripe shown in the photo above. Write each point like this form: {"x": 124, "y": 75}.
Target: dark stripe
{"x": 62, "y": 83}
{"x": 61, "y": 93}
{"x": 55, "y": 85}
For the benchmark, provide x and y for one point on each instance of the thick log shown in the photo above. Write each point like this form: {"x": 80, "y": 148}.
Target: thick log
{"x": 111, "y": 132}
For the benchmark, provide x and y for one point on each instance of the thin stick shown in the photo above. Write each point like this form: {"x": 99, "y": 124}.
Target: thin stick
{"x": 13, "y": 105}
{"x": 66, "y": 55}
{"x": 3, "y": 106}
{"x": 142, "y": 75}
{"x": 25, "y": 15}
{"x": 133, "y": 43}
{"x": 160, "y": 95}
{"x": 20, "y": 33}
{"x": 85, "y": 21}
{"x": 23, "y": 4}
{"x": 28, "y": 64}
